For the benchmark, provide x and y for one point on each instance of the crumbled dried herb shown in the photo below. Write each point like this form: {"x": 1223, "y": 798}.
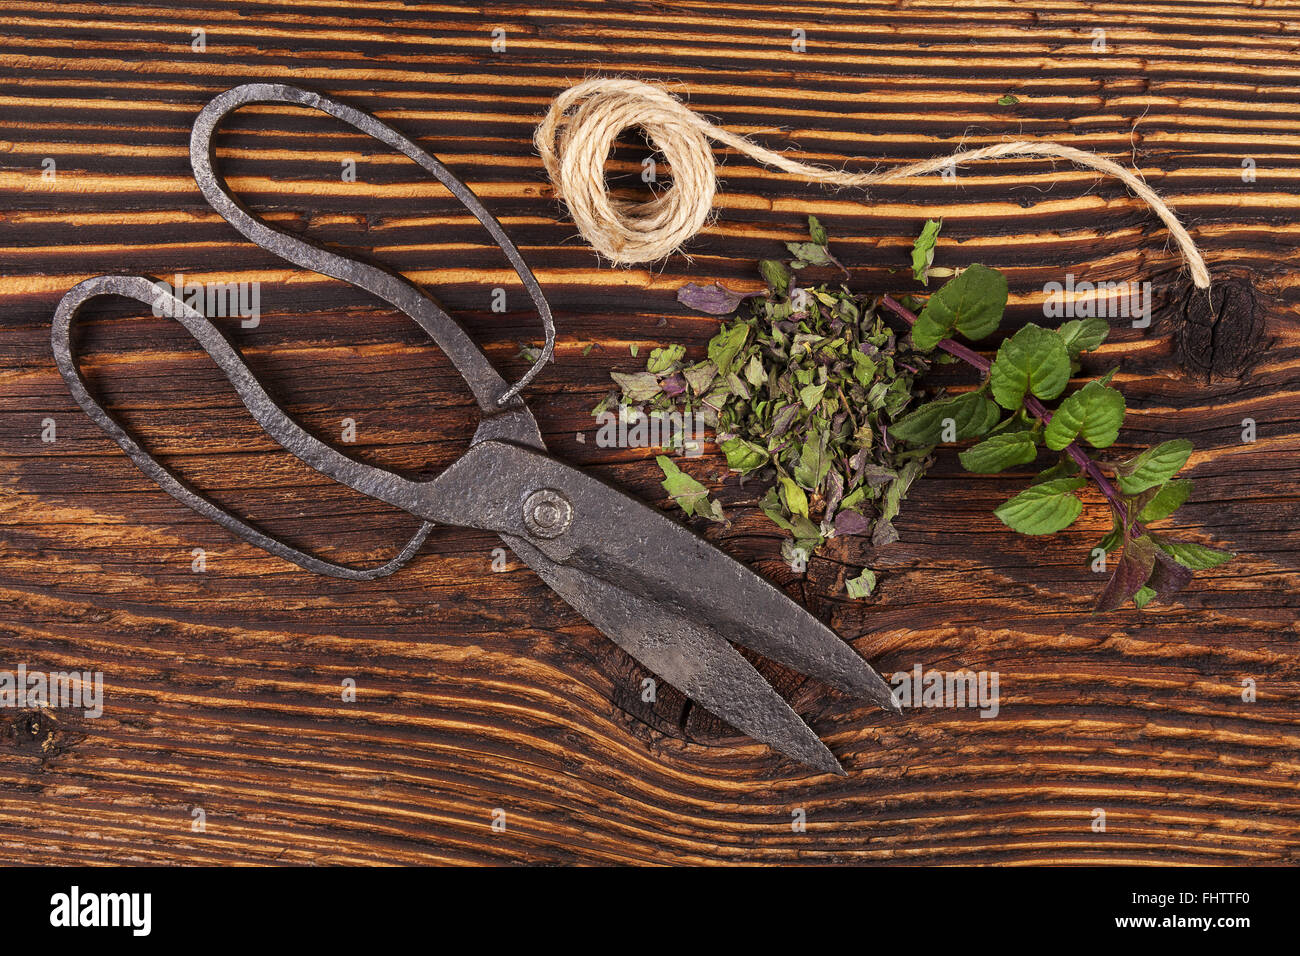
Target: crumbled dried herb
{"x": 691, "y": 496}
{"x": 862, "y": 585}
{"x": 801, "y": 388}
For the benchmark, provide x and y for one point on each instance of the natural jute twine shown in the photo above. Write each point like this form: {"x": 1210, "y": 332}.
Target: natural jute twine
{"x": 580, "y": 128}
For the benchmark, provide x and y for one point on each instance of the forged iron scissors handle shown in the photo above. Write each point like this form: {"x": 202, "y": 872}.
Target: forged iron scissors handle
{"x": 490, "y": 391}
{"x": 504, "y": 415}
{"x": 267, "y": 413}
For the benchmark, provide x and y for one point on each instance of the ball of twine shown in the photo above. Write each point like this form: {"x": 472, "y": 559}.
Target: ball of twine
{"x": 578, "y": 131}
{"x": 575, "y": 139}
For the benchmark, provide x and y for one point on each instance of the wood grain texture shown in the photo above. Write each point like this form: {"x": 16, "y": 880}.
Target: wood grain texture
{"x": 480, "y": 691}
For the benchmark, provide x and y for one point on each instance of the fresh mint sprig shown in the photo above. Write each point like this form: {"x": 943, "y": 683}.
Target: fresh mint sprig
{"x": 1008, "y": 412}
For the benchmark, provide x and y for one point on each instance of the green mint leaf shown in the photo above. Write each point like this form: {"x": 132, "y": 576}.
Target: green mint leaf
{"x": 885, "y": 533}
{"x": 971, "y": 413}
{"x": 726, "y": 345}
{"x": 744, "y": 456}
{"x": 1143, "y": 597}
{"x": 776, "y": 275}
{"x": 1166, "y": 501}
{"x": 793, "y": 497}
{"x": 923, "y": 250}
{"x": 1000, "y": 452}
{"x": 661, "y": 360}
{"x": 691, "y": 496}
{"x": 864, "y": 369}
{"x": 1083, "y": 335}
{"x": 637, "y": 386}
{"x": 700, "y": 377}
{"x": 814, "y": 462}
{"x": 971, "y": 304}
{"x": 862, "y": 585}
{"x": 810, "y": 395}
{"x": 1033, "y": 360}
{"x": 606, "y": 403}
{"x": 1094, "y": 413}
{"x": 854, "y": 499}
{"x": 1008, "y": 99}
{"x": 772, "y": 507}
{"x": 1195, "y": 556}
{"x": 1044, "y": 508}
{"x": 816, "y": 231}
{"x": 809, "y": 253}
{"x": 1153, "y": 467}
{"x": 805, "y": 531}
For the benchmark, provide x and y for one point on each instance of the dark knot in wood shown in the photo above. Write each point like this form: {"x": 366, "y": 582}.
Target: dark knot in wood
{"x": 1220, "y": 333}
{"x": 34, "y": 733}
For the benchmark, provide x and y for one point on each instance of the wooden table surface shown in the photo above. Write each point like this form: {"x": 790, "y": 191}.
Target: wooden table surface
{"x": 480, "y": 695}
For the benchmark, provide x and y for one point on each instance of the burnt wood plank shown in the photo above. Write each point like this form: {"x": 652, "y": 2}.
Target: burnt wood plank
{"x": 480, "y": 691}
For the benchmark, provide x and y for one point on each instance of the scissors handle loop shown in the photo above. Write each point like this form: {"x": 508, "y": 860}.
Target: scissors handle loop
{"x": 504, "y": 412}
{"x": 489, "y": 389}
{"x": 268, "y": 414}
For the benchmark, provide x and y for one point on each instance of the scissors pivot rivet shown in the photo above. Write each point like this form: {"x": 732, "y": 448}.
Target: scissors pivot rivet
{"x": 547, "y": 513}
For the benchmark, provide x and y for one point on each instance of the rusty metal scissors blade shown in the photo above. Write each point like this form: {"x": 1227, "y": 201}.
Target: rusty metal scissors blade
{"x": 687, "y": 654}
{"x": 616, "y": 538}
{"x": 663, "y": 594}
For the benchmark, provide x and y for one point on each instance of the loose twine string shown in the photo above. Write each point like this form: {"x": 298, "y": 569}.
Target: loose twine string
{"x": 580, "y": 128}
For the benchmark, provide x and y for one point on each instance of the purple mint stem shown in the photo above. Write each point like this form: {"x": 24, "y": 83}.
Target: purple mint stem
{"x": 969, "y": 356}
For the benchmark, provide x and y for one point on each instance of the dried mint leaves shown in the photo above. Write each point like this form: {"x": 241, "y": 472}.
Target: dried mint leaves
{"x": 801, "y": 388}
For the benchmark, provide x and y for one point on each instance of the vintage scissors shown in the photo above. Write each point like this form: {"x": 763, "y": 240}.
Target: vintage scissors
{"x": 664, "y": 595}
